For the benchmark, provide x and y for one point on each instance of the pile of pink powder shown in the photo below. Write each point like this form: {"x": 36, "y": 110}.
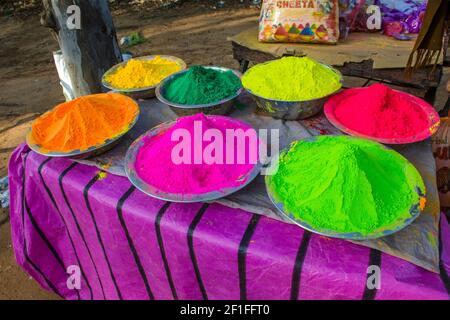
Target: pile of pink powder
{"x": 381, "y": 112}
{"x": 155, "y": 166}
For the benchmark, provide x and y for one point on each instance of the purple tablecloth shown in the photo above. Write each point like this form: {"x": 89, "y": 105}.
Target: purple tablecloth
{"x": 131, "y": 246}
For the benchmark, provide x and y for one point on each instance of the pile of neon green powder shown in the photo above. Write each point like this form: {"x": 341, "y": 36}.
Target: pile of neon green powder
{"x": 346, "y": 184}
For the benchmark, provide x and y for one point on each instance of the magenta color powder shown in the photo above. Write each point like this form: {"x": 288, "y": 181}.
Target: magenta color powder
{"x": 154, "y": 163}
{"x": 378, "y": 111}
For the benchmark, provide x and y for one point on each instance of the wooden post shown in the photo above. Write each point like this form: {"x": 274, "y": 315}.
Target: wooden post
{"x": 87, "y": 37}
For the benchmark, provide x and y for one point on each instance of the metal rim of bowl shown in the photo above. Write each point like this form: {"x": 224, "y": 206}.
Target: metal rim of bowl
{"x": 341, "y": 81}
{"x": 75, "y": 153}
{"x": 138, "y": 90}
{"x": 130, "y": 161}
{"x": 166, "y": 81}
{"x": 339, "y": 235}
{"x": 433, "y": 116}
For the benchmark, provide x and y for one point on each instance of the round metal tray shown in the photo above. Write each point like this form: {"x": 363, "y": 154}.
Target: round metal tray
{"x": 140, "y": 93}
{"x": 221, "y": 107}
{"x": 293, "y": 110}
{"x": 82, "y": 154}
{"x": 130, "y": 169}
{"x": 381, "y": 232}
{"x": 431, "y": 114}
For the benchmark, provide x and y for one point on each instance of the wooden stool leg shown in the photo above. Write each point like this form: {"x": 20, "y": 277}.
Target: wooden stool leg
{"x": 445, "y": 111}
{"x": 430, "y": 95}
{"x": 243, "y": 65}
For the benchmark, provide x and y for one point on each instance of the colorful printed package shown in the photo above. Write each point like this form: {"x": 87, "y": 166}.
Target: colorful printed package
{"x": 299, "y": 21}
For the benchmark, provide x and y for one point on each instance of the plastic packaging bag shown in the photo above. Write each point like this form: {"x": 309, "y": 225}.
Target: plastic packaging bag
{"x": 360, "y": 15}
{"x": 299, "y": 21}
{"x": 4, "y": 192}
{"x": 402, "y": 16}
{"x": 393, "y": 16}
{"x": 64, "y": 77}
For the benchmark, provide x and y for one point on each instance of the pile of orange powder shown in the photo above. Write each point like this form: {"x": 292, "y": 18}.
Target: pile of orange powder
{"x": 84, "y": 122}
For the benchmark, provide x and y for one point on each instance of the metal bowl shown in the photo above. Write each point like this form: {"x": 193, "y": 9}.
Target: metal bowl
{"x": 392, "y": 228}
{"x": 431, "y": 115}
{"x": 81, "y": 154}
{"x": 130, "y": 169}
{"x": 221, "y": 107}
{"x": 140, "y": 93}
{"x": 292, "y": 110}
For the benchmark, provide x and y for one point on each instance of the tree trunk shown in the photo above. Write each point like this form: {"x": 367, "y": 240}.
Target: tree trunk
{"x": 90, "y": 50}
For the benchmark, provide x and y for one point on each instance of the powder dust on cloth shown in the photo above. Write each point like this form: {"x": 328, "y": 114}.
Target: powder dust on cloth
{"x": 381, "y": 112}
{"x": 139, "y": 73}
{"x": 84, "y": 122}
{"x": 292, "y": 79}
{"x": 156, "y": 164}
{"x": 200, "y": 85}
{"x": 346, "y": 184}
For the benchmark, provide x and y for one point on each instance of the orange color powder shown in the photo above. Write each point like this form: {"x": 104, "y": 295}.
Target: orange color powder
{"x": 84, "y": 122}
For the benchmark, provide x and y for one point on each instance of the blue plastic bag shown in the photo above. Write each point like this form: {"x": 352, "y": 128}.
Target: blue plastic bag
{"x": 406, "y": 15}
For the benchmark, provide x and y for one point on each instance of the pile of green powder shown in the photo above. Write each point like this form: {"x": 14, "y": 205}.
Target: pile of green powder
{"x": 291, "y": 79}
{"x": 345, "y": 184}
{"x": 200, "y": 85}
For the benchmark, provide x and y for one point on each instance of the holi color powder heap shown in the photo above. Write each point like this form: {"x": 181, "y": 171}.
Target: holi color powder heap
{"x": 156, "y": 162}
{"x": 84, "y": 122}
{"x": 291, "y": 79}
{"x": 346, "y": 184}
{"x": 137, "y": 73}
{"x": 200, "y": 85}
{"x": 381, "y": 112}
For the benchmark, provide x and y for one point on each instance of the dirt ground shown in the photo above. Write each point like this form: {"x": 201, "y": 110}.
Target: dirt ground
{"x": 30, "y": 84}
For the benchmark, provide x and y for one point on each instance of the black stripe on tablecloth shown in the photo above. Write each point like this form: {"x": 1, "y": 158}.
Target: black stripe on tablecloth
{"x": 242, "y": 255}
{"x": 442, "y": 271}
{"x": 46, "y": 240}
{"x": 190, "y": 238}
{"x": 43, "y": 237}
{"x": 298, "y": 265}
{"x": 25, "y": 253}
{"x": 130, "y": 241}
{"x": 60, "y": 181}
{"x": 97, "y": 231}
{"x": 163, "y": 251}
{"x": 52, "y": 198}
{"x": 374, "y": 260}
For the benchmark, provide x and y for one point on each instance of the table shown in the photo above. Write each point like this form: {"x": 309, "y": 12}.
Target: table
{"x": 364, "y": 55}
{"x": 131, "y": 246}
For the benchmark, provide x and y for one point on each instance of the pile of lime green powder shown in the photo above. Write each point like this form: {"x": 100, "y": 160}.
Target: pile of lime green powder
{"x": 292, "y": 79}
{"x": 345, "y": 184}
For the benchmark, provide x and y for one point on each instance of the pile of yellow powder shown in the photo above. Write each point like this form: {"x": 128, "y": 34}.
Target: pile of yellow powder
{"x": 137, "y": 73}
{"x": 292, "y": 79}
